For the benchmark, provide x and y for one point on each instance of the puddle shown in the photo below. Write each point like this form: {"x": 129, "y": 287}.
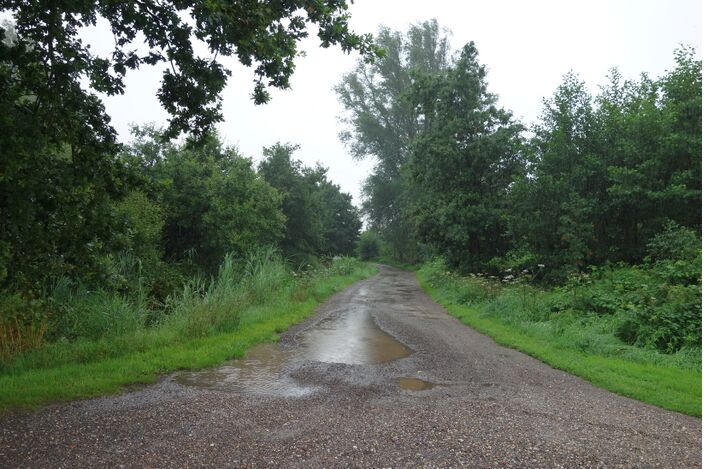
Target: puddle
{"x": 353, "y": 338}
{"x": 260, "y": 372}
{"x": 414, "y": 384}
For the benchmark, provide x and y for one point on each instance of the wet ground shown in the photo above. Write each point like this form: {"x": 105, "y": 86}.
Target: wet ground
{"x": 380, "y": 376}
{"x": 352, "y": 338}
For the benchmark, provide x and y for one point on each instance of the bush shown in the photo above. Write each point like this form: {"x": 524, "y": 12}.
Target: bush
{"x": 674, "y": 243}
{"x": 649, "y": 309}
{"x": 675, "y": 255}
{"x": 369, "y": 246}
{"x": 600, "y": 310}
{"x": 671, "y": 322}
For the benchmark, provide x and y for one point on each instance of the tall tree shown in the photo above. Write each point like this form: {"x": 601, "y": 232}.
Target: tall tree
{"x": 58, "y": 174}
{"x": 609, "y": 171}
{"x": 382, "y": 123}
{"x": 341, "y": 220}
{"x": 463, "y": 163}
{"x": 551, "y": 212}
{"x": 303, "y": 235}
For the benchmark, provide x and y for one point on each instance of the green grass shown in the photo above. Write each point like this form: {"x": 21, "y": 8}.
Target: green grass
{"x": 583, "y": 346}
{"x": 197, "y": 334}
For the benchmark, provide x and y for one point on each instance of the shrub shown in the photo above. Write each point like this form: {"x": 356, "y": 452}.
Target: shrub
{"x": 369, "y": 246}
{"x": 638, "y": 306}
{"x": 675, "y": 243}
{"x": 650, "y": 309}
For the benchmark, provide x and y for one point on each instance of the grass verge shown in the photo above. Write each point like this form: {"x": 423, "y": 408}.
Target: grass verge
{"x": 580, "y": 346}
{"x": 185, "y": 340}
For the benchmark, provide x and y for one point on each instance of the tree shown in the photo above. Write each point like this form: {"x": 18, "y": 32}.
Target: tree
{"x": 369, "y": 246}
{"x": 51, "y": 59}
{"x": 608, "y": 172}
{"x": 303, "y": 236}
{"x": 341, "y": 220}
{"x": 553, "y": 207}
{"x": 382, "y": 123}
{"x": 462, "y": 164}
{"x": 60, "y": 175}
{"x": 654, "y": 172}
{"x": 682, "y": 104}
{"x": 320, "y": 219}
{"x": 214, "y": 201}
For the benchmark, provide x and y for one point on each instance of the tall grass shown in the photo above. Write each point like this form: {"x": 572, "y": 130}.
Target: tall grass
{"x": 72, "y": 315}
{"x": 17, "y": 337}
{"x": 91, "y": 314}
{"x": 204, "y": 309}
{"x": 106, "y": 341}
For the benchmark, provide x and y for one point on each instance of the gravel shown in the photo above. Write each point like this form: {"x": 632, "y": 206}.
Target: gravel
{"x": 490, "y": 407}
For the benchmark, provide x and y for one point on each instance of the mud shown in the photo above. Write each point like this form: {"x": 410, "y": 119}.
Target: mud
{"x": 333, "y": 393}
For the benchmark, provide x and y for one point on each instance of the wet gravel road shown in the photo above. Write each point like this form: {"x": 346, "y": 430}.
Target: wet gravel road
{"x": 489, "y": 407}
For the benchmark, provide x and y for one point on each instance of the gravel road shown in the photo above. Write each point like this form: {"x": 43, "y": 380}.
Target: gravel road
{"x": 489, "y": 406}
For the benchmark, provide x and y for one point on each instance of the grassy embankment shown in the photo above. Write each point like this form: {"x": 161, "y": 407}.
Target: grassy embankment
{"x": 202, "y": 326}
{"x": 552, "y": 326}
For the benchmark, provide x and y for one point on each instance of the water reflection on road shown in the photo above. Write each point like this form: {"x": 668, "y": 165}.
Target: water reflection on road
{"x": 352, "y": 337}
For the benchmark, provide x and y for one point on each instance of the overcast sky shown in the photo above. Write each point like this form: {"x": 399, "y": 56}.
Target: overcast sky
{"x": 527, "y": 46}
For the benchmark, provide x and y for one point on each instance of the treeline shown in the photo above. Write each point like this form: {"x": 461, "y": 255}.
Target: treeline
{"x": 176, "y": 209}
{"x": 82, "y": 214}
{"x": 592, "y": 182}
{"x": 196, "y": 202}
{"x": 599, "y": 181}
{"x": 159, "y": 215}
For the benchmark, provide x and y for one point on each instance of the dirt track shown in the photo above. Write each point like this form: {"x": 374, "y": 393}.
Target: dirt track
{"x": 490, "y": 406}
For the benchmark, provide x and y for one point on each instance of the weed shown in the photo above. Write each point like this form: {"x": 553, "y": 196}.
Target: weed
{"x": 16, "y": 337}
{"x": 206, "y": 323}
{"x": 622, "y": 327}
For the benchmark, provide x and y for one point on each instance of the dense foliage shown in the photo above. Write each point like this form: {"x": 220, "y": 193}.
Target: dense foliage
{"x": 81, "y": 213}
{"x": 59, "y": 169}
{"x": 213, "y": 201}
{"x": 462, "y": 163}
{"x": 604, "y": 189}
{"x": 185, "y": 207}
{"x": 608, "y": 172}
{"x": 319, "y": 218}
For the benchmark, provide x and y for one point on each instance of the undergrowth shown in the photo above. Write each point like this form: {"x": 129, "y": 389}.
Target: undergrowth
{"x": 624, "y": 328}
{"x": 107, "y": 341}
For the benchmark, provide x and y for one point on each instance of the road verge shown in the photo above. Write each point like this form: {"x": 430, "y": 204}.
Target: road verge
{"x": 48, "y": 378}
{"x": 662, "y": 384}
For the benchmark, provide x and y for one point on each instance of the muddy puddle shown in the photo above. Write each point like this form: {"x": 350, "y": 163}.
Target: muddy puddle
{"x": 353, "y": 338}
{"x": 414, "y": 384}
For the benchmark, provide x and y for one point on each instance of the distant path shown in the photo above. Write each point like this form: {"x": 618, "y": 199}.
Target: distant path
{"x": 491, "y": 406}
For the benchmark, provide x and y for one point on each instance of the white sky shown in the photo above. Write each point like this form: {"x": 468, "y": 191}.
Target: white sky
{"x": 527, "y": 46}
